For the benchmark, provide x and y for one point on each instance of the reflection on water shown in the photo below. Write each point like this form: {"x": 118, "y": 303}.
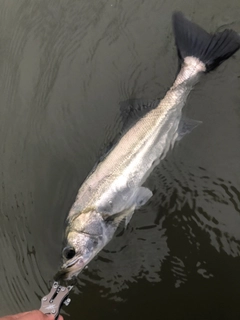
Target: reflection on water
{"x": 65, "y": 66}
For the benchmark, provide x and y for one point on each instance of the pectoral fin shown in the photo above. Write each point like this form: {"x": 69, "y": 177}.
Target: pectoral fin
{"x": 123, "y": 207}
{"x": 143, "y": 195}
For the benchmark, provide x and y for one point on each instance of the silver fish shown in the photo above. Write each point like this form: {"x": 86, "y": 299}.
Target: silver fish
{"x": 114, "y": 189}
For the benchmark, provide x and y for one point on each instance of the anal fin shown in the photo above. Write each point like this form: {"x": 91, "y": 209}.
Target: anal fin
{"x": 186, "y": 126}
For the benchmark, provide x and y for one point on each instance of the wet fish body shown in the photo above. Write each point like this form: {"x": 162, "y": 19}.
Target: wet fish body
{"x": 114, "y": 189}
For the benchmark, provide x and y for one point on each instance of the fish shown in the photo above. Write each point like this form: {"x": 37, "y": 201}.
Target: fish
{"x": 114, "y": 189}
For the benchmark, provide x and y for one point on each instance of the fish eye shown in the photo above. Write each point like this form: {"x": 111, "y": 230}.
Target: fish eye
{"x": 69, "y": 252}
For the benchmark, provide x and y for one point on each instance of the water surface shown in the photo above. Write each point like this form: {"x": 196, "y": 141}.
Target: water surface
{"x": 65, "y": 67}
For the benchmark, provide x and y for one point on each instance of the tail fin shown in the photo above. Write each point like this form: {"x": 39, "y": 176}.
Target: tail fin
{"x": 192, "y": 40}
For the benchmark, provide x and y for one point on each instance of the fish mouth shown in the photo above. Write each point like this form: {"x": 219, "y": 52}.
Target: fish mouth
{"x": 72, "y": 268}
{"x": 69, "y": 264}
{"x": 76, "y": 263}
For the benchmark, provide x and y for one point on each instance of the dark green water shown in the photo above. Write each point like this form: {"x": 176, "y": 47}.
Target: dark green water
{"x": 64, "y": 68}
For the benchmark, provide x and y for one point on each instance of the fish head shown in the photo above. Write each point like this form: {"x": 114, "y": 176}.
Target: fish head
{"x": 85, "y": 237}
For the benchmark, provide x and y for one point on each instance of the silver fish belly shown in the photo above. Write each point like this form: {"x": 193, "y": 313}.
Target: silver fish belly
{"x": 114, "y": 189}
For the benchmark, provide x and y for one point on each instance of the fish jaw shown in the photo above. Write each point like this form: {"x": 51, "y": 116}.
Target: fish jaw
{"x": 86, "y": 235}
{"x": 69, "y": 271}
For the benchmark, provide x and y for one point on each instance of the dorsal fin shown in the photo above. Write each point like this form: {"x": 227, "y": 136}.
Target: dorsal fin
{"x": 134, "y": 109}
{"x": 131, "y": 111}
